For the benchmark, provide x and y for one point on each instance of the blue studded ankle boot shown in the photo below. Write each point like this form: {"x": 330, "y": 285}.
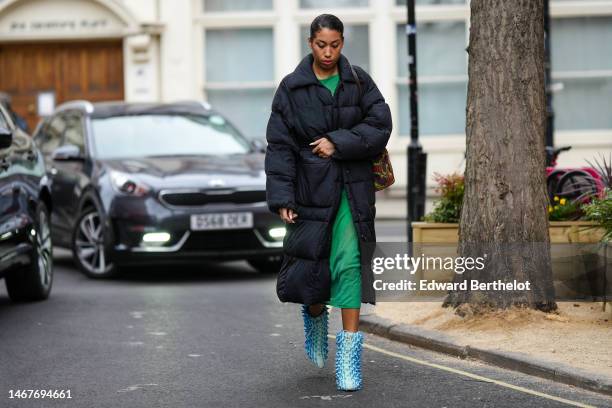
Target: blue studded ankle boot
{"x": 348, "y": 360}
{"x": 315, "y": 331}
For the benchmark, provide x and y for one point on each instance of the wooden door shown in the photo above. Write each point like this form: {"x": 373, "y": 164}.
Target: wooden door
{"x": 79, "y": 70}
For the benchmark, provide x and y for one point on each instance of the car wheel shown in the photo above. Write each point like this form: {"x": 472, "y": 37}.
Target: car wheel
{"x": 89, "y": 247}
{"x": 34, "y": 281}
{"x": 268, "y": 265}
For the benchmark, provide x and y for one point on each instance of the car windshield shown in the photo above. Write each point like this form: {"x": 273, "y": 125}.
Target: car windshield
{"x": 165, "y": 135}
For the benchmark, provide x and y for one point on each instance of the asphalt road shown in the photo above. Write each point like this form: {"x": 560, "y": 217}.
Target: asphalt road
{"x": 215, "y": 335}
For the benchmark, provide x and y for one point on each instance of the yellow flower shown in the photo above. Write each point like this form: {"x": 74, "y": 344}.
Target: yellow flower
{"x": 562, "y": 201}
{"x": 549, "y": 209}
{"x": 556, "y": 207}
{"x": 556, "y": 198}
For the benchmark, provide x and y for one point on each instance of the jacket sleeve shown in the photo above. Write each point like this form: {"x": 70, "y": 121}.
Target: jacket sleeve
{"x": 368, "y": 138}
{"x": 280, "y": 156}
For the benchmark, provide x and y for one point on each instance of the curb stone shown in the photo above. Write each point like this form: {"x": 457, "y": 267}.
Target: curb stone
{"x": 435, "y": 341}
{"x": 426, "y": 339}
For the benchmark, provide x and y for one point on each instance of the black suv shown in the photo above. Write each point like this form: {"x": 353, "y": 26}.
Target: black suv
{"x": 26, "y": 258}
{"x": 151, "y": 183}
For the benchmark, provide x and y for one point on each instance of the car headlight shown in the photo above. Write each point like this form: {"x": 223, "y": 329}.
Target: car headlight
{"x": 125, "y": 183}
{"x": 277, "y": 233}
{"x": 156, "y": 238}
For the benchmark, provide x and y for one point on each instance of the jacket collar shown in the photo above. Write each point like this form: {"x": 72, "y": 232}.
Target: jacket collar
{"x": 303, "y": 74}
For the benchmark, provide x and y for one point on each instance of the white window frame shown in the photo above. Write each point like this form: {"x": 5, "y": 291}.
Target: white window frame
{"x": 438, "y": 143}
{"x": 382, "y": 17}
{"x": 203, "y": 12}
{"x": 453, "y": 142}
{"x": 227, "y": 20}
{"x": 593, "y": 139}
{"x": 559, "y": 76}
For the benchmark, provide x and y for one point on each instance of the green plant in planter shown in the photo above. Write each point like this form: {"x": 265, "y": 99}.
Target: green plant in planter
{"x": 600, "y": 207}
{"x": 448, "y": 208}
{"x": 600, "y": 211}
{"x": 603, "y": 166}
{"x": 563, "y": 209}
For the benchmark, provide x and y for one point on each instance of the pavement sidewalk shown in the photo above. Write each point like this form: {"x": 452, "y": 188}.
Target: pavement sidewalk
{"x": 394, "y": 208}
{"x": 391, "y": 208}
{"x": 437, "y": 341}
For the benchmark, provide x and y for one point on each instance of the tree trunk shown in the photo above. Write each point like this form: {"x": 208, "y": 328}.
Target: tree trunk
{"x": 505, "y": 205}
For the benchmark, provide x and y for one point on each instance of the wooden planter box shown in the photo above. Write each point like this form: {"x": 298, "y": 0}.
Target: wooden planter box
{"x": 570, "y": 263}
{"x": 561, "y": 232}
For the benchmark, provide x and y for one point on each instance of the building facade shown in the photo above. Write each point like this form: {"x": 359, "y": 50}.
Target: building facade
{"x": 233, "y": 53}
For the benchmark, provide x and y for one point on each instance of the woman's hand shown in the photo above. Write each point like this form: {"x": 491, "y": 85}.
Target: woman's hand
{"x": 287, "y": 215}
{"x": 323, "y": 147}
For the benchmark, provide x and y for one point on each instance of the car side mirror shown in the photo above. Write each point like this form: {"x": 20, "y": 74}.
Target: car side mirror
{"x": 6, "y": 137}
{"x": 67, "y": 153}
{"x": 258, "y": 146}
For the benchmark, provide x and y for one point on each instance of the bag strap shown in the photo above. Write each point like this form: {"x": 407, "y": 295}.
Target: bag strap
{"x": 356, "y": 77}
{"x": 361, "y": 93}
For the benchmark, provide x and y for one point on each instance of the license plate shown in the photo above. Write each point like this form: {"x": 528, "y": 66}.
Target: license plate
{"x": 217, "y": 221}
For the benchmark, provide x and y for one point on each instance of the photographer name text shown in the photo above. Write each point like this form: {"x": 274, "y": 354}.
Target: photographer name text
{"x": 433, "y": 285}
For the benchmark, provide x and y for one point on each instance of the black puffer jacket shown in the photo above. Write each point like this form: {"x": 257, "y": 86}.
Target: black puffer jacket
{"x": 359, "y": 127}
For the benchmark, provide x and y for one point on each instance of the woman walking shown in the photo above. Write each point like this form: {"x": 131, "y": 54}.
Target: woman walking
{"x": 328, "y": 122}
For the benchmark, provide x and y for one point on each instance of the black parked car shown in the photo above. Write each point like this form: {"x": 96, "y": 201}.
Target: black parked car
{"x": 26, "y": 253}
{"x": 151, "y": 183}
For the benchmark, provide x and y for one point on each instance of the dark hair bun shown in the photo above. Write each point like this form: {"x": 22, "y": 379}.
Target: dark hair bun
{"x": 326, "y": 21}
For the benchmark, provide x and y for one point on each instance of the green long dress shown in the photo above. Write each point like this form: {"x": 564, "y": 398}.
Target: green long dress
{"x": 344, "y": 257}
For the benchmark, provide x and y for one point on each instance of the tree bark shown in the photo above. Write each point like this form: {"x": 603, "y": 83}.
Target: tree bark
{"x": 505, "y": 205}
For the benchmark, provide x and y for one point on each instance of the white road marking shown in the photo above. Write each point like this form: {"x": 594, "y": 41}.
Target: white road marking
{"x": 326, "y": 397}
{"x": 135, "y": 387}
{"x": 474, "y": 376}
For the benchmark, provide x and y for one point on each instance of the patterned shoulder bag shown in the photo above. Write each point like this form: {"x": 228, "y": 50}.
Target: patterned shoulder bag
{"x": 381, "y": 164}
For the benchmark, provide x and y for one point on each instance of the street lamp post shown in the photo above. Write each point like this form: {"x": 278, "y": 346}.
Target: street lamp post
{"x": 417, "y": 159}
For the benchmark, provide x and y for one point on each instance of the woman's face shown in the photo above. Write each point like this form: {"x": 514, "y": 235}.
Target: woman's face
{"x": 326, "y": 47}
